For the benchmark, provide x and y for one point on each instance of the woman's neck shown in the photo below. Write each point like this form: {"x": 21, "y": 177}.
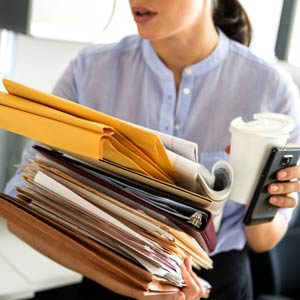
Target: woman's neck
{"x": 187, "y": 47}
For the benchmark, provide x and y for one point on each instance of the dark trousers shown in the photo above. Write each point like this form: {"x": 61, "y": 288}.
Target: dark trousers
{"x": 230, "y": 278}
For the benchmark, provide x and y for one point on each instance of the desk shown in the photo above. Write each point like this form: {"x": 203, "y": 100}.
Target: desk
{"x": 24, "y": 271}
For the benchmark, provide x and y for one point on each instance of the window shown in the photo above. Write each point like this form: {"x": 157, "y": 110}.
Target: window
{"x": 264, "y": 32}
{"x": 81, "y": 20}
{"x": 6, "y": 53}
{"x": 294, "y": 48}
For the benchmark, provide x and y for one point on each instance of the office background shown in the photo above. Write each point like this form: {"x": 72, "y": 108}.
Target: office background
{"x": 39, "y": 37}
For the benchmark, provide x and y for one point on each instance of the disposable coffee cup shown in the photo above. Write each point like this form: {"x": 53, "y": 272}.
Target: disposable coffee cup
{"x": 251, "y": 144}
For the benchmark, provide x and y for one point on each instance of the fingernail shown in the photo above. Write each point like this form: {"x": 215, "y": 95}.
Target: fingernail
{"x": 274, "y": 200}
{"x": 274, "y": 188}
{"x": 282, "y": 174}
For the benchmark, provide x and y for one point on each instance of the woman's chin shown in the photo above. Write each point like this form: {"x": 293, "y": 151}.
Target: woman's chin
{"x": 150, "y": 35}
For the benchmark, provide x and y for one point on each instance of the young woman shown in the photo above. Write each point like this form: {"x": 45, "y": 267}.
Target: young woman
{"x": 189, "y": 73}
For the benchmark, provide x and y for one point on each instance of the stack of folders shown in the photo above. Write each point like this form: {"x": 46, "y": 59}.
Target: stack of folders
{"x": 121, "y": 204}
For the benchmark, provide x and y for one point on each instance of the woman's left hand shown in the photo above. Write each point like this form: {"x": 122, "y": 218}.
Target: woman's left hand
{"x": 281, "y": 191}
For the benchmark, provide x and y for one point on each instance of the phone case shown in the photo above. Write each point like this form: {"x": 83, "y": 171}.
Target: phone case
{"x": 260, "y": 210}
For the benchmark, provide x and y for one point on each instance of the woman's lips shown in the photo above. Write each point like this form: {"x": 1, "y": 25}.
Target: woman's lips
{"x": 143, "y": 15}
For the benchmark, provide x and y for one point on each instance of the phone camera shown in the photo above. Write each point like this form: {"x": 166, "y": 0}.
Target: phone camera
{"x": 286, "y": 160}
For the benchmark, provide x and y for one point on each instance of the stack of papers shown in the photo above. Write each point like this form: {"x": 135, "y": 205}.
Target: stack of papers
{"x": 125, "y": 228}
{"x": 118, "y": 203}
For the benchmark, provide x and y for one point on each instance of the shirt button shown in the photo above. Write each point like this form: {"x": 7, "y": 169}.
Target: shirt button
{"x": 186, "y": 91}
{"x": 176, "y": 126}
{"x": 188, "y": 72}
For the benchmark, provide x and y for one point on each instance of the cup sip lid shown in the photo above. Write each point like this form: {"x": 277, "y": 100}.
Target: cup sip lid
{"x": 264, "y": 124}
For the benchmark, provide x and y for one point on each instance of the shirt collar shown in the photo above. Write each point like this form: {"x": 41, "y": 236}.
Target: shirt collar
{"x": 201, "y": 67}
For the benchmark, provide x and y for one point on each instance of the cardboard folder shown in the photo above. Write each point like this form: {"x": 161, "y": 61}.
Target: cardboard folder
{"x": 82, "y": 255}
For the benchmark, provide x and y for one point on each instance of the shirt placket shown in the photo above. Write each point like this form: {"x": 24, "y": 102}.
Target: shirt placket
{"x": 184, "y": 101}
{"x": 168, "y": 107}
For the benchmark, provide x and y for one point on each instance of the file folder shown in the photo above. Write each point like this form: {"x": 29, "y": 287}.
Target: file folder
{"x": 85, "y": 131}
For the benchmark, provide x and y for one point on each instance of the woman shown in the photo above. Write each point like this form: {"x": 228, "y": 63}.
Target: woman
{"x": 189, "y": 73}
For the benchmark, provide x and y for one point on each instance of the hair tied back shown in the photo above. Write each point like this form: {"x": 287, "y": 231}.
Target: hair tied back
{"x": 232, "y": 19}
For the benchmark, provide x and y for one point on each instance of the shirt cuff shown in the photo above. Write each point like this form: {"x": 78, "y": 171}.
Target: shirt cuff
{"x": 287, "y": 213}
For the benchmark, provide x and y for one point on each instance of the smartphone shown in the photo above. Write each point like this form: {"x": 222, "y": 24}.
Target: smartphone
{"x": 260, "y": 210}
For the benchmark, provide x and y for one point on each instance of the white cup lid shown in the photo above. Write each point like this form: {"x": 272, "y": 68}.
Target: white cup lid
{"x": 264, "y": 124}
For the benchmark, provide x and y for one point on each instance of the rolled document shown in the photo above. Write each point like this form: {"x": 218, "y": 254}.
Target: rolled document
{"x": 177, "y": 145}
{"x": 197, "y": 178}
{"x": 193, "y": 176}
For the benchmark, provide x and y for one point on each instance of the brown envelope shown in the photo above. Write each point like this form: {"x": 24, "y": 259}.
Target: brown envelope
{"x": 82, "y": 255}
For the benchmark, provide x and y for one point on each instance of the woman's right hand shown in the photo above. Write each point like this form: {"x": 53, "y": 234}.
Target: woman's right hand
{"x": 194, "y": 289}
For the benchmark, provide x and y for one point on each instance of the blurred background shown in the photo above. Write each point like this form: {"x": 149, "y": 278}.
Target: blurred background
{"x": 37, "y": 40}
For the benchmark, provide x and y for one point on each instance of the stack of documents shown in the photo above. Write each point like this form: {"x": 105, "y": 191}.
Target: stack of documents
{"x": 121, "y": 204}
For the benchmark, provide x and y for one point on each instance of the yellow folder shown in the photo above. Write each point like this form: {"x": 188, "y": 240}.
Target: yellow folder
{"x": 69, "y": 126}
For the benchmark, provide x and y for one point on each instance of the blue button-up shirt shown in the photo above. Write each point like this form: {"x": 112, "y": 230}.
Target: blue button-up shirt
{"x": 128, "y": 80}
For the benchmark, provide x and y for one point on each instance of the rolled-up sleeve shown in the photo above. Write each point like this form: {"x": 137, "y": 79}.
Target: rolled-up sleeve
{"x": 287, "y": 213}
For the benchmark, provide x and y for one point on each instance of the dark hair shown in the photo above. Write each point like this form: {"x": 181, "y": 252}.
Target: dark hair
{"x": 232, "y": 19}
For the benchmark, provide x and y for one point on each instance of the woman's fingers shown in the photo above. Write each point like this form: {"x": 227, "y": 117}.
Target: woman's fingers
{"x": 281, "y": 191}
{"x": 192, "y": 290}
{"x": 188, "y": 263}
{"x": 283, "y": 201}
{"x": 181, "y": 296}
{"x": 289, "y": 173}
{"x": 284, "y": 188}
{"x": 227, "y": 149}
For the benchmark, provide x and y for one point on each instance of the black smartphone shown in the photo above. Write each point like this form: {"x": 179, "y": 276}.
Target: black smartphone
{"x": 260, "y": 210}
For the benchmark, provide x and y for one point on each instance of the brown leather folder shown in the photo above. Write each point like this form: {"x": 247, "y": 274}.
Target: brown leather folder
{"x": 81, "y": 254}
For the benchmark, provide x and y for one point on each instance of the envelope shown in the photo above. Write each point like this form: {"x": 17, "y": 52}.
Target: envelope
{"x": 82, "y": 131}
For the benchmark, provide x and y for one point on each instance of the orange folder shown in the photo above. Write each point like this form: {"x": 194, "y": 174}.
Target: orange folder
{"x": 69, "y": 126}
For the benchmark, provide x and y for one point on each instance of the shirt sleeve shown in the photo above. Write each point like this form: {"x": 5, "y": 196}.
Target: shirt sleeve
{"x": 288, "y": 102}
{"x": 16, "y": 180}
{"x": 66, "y": 85}
{"x": 65, "y": 88}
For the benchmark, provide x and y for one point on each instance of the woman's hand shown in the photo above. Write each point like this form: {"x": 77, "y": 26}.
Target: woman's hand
{"x": 193, "y": 289}
{"x": 281, "y": 191}
{"x": 264, "y": 237}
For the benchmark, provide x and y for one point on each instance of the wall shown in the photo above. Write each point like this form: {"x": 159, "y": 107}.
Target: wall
{"x": 265, "y": 17}
{"x": 37, "y": 63}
